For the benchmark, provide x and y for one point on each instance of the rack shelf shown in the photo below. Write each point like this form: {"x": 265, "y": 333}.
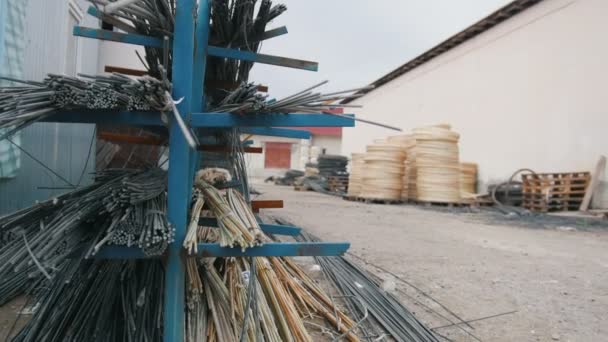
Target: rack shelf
{"x": 189, "y": 63}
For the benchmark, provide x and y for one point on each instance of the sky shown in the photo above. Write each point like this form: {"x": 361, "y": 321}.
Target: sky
{"x": 357, "y": 41}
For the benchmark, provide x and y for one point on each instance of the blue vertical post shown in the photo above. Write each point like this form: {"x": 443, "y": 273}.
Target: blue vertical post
{"x": 200, "y": 65}
{"x": 179, "y": 170}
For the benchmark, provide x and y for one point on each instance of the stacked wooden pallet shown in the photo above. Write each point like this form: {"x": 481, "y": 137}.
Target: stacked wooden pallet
{"x": 383, "y": 172}
{"x": 544, "y": 192}
{"x": 338, "y": 184}
{"x": 356, "y": 174}
{"x": 437, "y": 165}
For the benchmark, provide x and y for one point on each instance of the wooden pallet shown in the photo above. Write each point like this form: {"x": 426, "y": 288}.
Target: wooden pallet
{"x": 337, "y": 183}
{"x": 371, "y": 200}
{"x": 545, "y": 192}
{"x": 429, "y": 204}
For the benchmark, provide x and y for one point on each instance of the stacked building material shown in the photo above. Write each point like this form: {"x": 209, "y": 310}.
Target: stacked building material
{"x": 468, "y": 180}
{"x": 383, "y": 172}
{"x": 544, "y": 192}
{"x": 332, "y": 165}
{"x": 409, "y": 172}
{"x": 437, "y": 164}
{"x": 356, "y": 174}
{"x": 407, "y": 142}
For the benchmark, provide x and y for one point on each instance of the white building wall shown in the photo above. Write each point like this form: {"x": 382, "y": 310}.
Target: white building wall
{"x": 331, "y": 144}
{"x": 120, "y": 55}
{"x": 530, "y": 92}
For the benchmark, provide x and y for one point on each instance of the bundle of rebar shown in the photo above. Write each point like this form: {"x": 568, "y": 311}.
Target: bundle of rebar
{"x": 123, "y": 207}
{"x": 238, "y": 24}
{"x": 29, "y": 102}
{"x": 247, "y": 100}
{"x": 99, "y": 301}
{"x": 363, "y": 295}
{"x": 154, "y": 18}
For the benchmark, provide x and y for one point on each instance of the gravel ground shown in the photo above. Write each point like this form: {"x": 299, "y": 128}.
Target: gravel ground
{"x": 548, "y": 278}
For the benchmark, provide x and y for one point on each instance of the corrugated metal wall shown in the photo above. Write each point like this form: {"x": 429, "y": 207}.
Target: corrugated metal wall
{"x": 63, "y": 147}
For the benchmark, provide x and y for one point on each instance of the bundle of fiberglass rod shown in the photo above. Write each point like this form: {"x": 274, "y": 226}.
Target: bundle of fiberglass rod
{"x": 260, "y": 299}
{"x": 122, "y": 207}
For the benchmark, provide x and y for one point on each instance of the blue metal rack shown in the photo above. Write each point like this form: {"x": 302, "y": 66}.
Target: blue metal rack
{"x": 190, "y": 51}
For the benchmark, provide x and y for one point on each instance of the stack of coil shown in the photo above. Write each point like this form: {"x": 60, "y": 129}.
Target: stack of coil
{"x": 407, "y": 142}
{"x": 355, "y": 180}
{"x": 383, "y": 171}
{"x": 468, "y": 180}
{"x": 437, "y": 164}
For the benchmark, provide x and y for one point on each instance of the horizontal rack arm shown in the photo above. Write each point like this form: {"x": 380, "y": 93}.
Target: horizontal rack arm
{"x": 137, "y": 39}
{"x": 205, "y": 119}
{"x": 262, "y": 58}
{"x": 271, "y": 249}
{"x": 277, "y": 132}
{"x": 275, "y": 229}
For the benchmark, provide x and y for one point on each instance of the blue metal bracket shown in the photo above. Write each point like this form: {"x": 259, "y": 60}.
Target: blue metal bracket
{"x": 275, "y": 249}
{"x": 127, "y": 38}
{"x": 136, "y": 39}
{"x": 277, "y": 132}
{"x": 216, "y": 120}
{"x": 261, "y": 58}
{"x": 270, "y": 120}
{"x": 271, "y": 249}
{"x": 274, "y": 229}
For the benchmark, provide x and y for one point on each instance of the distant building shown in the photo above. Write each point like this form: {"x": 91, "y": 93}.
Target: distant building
{"x": 36, "y": 39}
{"x": 525, "y": 87}
{"x": 280, "y": 154}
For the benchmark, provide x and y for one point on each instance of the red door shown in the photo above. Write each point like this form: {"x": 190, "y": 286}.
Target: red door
{"x": 277, "y": 155}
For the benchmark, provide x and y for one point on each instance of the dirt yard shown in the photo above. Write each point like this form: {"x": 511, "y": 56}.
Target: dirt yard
{"x": 549, "y": 281}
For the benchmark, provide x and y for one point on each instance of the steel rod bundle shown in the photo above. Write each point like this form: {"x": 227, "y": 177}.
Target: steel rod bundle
{"x": 123, "y": 207}
{"x": 25, "y": 104}
{"x": 355, "y": 179}
{"x": 155, "y": 18}
{"x": 363, "y": 295}
{"x": 100, "y": 301}
{"x": 238, "y": 24}
{"x": 437, "y": 165}
{"x": 468, "y": 180}
{"x": 247, "y": 100}
{"x": 383, "y": 172}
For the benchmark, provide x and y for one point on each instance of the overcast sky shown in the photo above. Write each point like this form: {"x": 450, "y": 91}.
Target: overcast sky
{"x": 357, "y": 41}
